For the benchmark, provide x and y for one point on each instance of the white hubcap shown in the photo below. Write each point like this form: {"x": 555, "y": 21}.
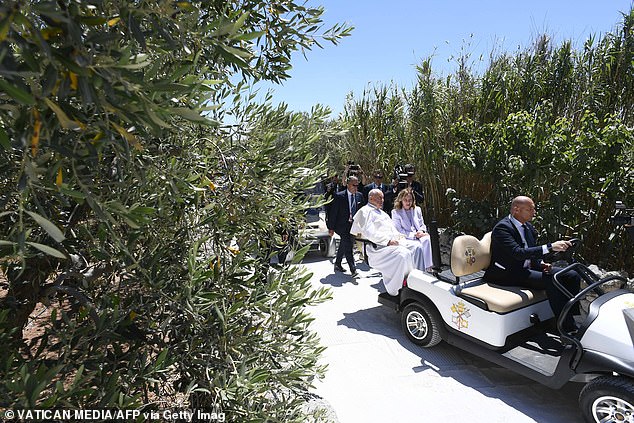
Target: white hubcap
{"x": 416, "y": 325}
{"x": 612, "y": 409}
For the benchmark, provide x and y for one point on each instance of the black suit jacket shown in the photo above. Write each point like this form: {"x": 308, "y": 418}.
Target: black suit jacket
{"x": 389, "y": 197}
{"x": 370, "y": 187}
{"x": 508, "y": 253}
{"x": 339, "y": 216}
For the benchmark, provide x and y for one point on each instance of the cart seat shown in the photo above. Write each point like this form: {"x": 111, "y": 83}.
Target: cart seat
{"x": 470, "y": 256}
{"x": 500, "y": 299}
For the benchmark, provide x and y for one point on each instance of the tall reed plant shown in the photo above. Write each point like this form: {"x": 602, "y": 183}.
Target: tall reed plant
{"x": 550, "y": 121}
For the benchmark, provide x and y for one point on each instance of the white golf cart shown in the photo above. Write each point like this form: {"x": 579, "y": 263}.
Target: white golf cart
{"x": 514, "y": 327}
{"x": 314, "y": 231}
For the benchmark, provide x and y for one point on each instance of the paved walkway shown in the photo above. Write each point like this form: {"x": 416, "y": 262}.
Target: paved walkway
{"x": 376, "y": 375}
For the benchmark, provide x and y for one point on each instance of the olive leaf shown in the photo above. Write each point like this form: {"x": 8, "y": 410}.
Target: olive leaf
{"x": 48, "y": 226}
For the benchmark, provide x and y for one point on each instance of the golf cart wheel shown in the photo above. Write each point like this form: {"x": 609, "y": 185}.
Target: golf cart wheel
{"x": 328, "y": 247}
{"x": 608, "y": 399}
{"x": 420, "y": 325}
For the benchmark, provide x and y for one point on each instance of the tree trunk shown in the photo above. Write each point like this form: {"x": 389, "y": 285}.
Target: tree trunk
{"x": 24, "y": 291}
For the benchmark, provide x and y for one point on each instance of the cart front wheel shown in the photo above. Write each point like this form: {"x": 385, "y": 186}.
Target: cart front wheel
{"x": 608, "y": 399}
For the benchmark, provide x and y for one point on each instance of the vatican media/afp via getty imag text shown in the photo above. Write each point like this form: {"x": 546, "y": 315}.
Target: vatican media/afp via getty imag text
{"x": 106, "y": 414}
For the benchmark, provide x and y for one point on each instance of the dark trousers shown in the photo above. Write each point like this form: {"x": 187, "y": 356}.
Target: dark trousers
{"x": 345, "y": 249}
{"x": 535, "y": 279}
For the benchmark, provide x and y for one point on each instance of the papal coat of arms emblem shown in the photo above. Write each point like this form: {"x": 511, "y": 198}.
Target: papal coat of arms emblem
{"x": 470, "y": 255}
{"x": 460, "y": 315}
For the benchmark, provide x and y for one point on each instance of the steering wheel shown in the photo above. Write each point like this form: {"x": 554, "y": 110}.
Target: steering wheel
{"x": 564, "y": 255}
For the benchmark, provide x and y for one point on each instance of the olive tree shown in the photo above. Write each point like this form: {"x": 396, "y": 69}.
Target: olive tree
{"x": 137, "y": 216}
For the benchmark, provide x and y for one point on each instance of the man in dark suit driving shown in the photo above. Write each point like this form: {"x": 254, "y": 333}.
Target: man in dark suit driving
{"x": 344, "y": 205}
{"x": 516, "y": 260}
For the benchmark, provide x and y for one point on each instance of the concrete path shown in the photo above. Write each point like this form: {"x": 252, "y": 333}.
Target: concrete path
{"x": 376, "y": 375}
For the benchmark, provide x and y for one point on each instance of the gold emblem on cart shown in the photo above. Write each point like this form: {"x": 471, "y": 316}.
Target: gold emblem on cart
{"x": 460, "y": 316}
{"x": 470, "y": 255}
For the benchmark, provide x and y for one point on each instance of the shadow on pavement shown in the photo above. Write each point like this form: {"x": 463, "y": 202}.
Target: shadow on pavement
{"x": 314, "y": 257}
{"x": 529, "y": 397}
{"x": 338, "y": 279}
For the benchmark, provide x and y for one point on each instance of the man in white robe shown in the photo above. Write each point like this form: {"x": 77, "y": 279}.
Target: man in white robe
{"x": 394, "y": 256}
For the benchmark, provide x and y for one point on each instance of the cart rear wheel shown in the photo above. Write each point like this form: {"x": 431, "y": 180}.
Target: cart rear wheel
{"x": 420, "y": 325}
{"x": 608, "y": 399}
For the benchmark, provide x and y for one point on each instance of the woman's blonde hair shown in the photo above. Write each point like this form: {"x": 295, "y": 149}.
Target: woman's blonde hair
{"x": 398, "y": 204}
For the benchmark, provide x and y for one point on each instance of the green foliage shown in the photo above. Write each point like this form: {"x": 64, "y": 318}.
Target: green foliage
{"x": 140, "y": 219}
{"x": 549, "y": 121}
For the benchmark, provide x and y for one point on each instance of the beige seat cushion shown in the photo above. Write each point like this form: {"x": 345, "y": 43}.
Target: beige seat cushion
{"x": 470, "y": 255}
{"x": 503, "y": 299}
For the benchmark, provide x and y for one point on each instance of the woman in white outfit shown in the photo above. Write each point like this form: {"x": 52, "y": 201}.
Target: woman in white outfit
{"x": 408, "y": 220}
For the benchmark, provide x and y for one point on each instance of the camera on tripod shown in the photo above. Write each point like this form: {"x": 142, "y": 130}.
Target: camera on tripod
{"x": 623, "y": 216}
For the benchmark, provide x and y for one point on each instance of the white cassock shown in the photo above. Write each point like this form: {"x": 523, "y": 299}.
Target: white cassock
{"x": 393, "y": 261}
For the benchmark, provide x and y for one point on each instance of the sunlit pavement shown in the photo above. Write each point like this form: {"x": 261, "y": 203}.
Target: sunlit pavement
{"x": 376, "y": 375}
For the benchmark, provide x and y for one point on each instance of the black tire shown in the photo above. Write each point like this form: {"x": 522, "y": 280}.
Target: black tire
{"x": 420, "y": 325}
{"x": 328, "y": 246}
{"x": 608, "y": 399}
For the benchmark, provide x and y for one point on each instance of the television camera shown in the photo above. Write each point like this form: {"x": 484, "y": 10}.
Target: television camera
{"x": 352, "y": 169}
{"x": 624, "y": 216}
{"x": 400, "y": 175}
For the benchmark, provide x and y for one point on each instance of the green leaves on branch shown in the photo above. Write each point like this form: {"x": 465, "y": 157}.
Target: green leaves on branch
{"x": 47, "y": 250}
{"x": 114, "y": 143}
{"x": 50, "y": 228}
{"x": 16, "y": 93}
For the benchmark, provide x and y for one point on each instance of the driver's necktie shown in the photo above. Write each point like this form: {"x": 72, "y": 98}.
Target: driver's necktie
{"x": 528, "y": 236}
{"x": 530, "y": 242}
